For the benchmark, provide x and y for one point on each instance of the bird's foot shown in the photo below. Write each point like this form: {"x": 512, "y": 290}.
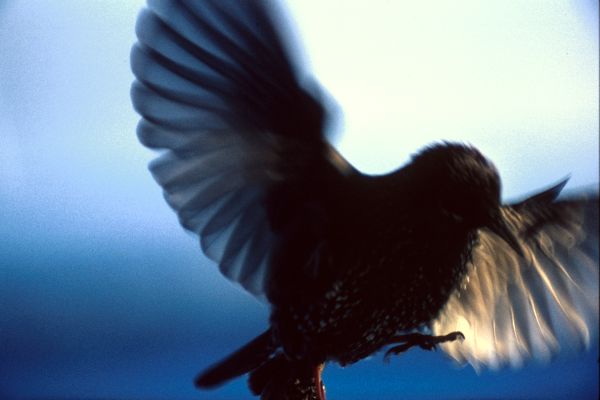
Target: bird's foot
{"x": 319, "y": 382}
{"x": 426, "y": 342}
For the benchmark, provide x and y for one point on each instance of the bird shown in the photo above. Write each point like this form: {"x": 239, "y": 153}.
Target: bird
{"x": 349, "y": 263}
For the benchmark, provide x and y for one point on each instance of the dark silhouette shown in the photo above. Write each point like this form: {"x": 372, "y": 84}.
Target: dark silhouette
{"x": 348, "y": 262}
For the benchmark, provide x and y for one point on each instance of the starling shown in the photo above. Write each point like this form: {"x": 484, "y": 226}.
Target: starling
{"x": 349, "y": 263}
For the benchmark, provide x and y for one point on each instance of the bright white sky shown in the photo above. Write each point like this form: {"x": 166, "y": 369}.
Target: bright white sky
{"x": 518, "y": 79}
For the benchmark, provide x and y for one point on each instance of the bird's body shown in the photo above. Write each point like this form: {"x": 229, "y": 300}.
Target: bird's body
{"x": 349, "y": 263}
{"x": 388, "y": 263}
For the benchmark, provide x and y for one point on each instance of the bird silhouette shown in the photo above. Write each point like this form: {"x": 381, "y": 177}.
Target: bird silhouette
{"x": 349, "y": 263}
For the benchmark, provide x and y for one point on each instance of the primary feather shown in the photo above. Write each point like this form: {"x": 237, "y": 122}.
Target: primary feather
{"x": 513, "y": 309}
{"x": 225, "y": 96}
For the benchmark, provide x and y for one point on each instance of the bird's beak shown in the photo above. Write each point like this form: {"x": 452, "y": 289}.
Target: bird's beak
{"x": 501, "y": 228}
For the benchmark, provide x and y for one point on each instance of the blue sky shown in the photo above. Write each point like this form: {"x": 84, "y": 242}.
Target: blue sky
{"x": 101, "y": 292}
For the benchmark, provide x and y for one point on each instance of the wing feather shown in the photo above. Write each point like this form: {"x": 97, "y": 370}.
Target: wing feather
{"x": 514, "y": 309}
{"x": 221, "y": 90}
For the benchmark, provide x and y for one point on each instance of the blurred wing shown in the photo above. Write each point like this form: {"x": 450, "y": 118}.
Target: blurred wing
{"x": 219, "y": 87}
{"x": 512, "y": 309}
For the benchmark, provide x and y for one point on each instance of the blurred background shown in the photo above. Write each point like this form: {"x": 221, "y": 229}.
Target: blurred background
{"x": 103, "y": 295}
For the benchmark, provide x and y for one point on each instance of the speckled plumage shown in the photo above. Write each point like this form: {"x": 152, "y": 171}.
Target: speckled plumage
{"x": 389, "y": 273}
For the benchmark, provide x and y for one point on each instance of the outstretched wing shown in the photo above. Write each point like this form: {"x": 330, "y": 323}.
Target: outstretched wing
{"x": 513, "y": 309}
{"x": 220, "y": 87}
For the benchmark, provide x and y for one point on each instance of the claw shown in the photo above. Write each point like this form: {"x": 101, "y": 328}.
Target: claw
{"x": 395, "y": 351}
{"x": 425, "y": 342}
{"x": 454, "y": 336}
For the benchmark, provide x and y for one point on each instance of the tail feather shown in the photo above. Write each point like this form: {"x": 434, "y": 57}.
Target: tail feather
{"x": 275, "y": 369}
{"x": 244, "y": 360}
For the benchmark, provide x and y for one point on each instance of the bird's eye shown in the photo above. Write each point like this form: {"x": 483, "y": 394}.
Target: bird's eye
{"x": 456, "y": 217}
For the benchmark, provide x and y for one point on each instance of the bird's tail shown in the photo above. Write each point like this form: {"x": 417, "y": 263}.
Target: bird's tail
{"x": 272, "y": 375}
{"x": 249, "y": 357}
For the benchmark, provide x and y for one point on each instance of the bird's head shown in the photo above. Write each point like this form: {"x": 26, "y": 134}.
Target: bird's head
{"x": 464, "y": 186}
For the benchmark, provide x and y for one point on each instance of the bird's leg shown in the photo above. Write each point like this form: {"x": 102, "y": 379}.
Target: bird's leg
{"x": 303, "y": 383}
{"x": 319, "y": 382}
{"x": 426, "y": 342}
